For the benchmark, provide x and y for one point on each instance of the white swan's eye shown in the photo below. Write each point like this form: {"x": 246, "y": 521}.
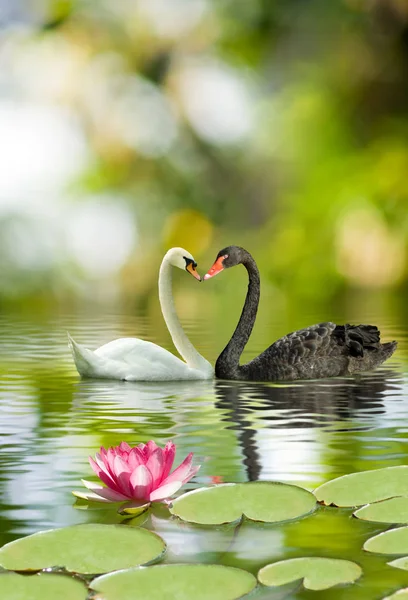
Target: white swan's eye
{"x": 189, "y": 261}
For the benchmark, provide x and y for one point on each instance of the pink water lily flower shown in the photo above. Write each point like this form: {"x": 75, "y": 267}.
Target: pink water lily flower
{"x": 140, "y": 474}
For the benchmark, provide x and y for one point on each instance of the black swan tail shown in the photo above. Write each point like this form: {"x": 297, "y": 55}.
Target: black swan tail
{"x": 363, "y": 346}
{"x": 388, "y": 349}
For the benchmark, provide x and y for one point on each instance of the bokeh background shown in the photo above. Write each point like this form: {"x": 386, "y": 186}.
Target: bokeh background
{"x": 130, "y": 126}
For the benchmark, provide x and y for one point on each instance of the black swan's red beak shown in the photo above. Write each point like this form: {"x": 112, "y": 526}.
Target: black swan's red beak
{"x": 216, "y": 268}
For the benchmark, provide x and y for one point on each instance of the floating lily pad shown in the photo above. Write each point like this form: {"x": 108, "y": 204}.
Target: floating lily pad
{"x": 365, "y": 487}
{"x": 317, "y": 573}
{"x": 198, "y": 582}
{"x": 400, "y": 563}
{"x": 83, "y": 549}
{"x": 259, "y": 501}
{"x": 394, "y": 541}
{"x": 393, "y": 510}
{"x": 41, "y": 587}
{"x": 399, "y": 595}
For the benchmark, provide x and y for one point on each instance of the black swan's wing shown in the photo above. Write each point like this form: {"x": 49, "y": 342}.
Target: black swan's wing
{"x": 323, "y": 350}
{"x": 313, "y": 341}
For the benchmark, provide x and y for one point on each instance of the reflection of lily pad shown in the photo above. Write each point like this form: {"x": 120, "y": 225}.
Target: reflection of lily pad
{"x": 393, "y": 510}
{"x": 365, "y": 487}
{"x": 41, "y": 587}
{"x": 394, "y": 541}
{"x": 317, "y": 573}
{"x": 260, "y": 501}
{"x": 196, "y": 582}
{"x": 399, "y": 595}
{"x": 83, "y": 549}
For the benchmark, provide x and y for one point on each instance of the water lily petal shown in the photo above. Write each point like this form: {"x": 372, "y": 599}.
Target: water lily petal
{"x": 182, "y": 471}
{"x": 143, "y": 450}
{"x": 90, "y": 496}
{"x": 191, "y": 473}
{"x": 103, "y": 475}
{"x": 135, "y": 458}
{"x": 169, "y": 453}
{"x": 151, "y": 447}
{"x": 120, "y": 466}
{"x": 102, "y": 462}
{"x": 141, "y": 483}
{"x": 110, "y": 457}
{"x": 107, "y": 457}
{"x": 133, "y": 508}
{"x": 104, "y": 492}
{"x": 164, "y": 491}
{"x": 124, "y": 447}
{"x": 122, "y": 475}
{"x": 155, "y": 466}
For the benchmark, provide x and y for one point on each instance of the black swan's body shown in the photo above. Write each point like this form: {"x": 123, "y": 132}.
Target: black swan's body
{"x": 323, "y": 350}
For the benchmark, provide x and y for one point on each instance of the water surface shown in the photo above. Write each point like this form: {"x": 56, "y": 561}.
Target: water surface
{"x": 303, "y": 433}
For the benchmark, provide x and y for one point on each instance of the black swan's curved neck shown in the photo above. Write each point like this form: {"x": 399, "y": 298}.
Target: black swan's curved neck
{"x": 228, "y": 361}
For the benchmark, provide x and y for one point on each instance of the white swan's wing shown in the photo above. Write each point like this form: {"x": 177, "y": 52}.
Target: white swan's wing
{"x": 132, "y": 350}
{"x": 131, "y": 359}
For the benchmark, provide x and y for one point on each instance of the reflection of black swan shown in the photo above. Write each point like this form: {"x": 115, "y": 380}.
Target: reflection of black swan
{"x": 323, "y": 350}
{"x": 309, "y": 404}
{"x": 348, "y": 404}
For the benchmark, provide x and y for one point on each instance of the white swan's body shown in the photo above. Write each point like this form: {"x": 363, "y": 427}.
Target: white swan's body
{"x": 131, "y": 359}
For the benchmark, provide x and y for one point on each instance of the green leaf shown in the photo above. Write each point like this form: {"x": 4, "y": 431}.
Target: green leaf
{"x": 394, "y": 541}
{"x": 195, "y": 582}
{"x": 393, "y": 510}
{"x": 365, "y": 487}
{"x": 317, "y": 573}
{"x": 83, "y": 549}
{"x": 400, "y": 563}
{"x": 41, "y": 587}
{"x": 259, "y": 501}
{"x": 398, "y": 595}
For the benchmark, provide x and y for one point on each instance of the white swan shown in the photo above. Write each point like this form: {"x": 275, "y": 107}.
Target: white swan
{"x": 131, "y": 359}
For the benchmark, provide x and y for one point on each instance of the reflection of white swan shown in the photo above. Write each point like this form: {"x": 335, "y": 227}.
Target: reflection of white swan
{"x": 124, "y": 402}
{"x": 132, "y": 359}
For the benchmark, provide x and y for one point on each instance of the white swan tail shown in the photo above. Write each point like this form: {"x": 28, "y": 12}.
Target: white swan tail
{"x": 84, "y": 359}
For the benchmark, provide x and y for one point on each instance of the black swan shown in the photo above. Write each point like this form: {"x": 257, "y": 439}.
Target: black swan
{"x": 323, "y": 350}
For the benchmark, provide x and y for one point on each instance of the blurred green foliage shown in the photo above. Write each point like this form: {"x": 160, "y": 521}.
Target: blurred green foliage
{"x": 279, "y": 126}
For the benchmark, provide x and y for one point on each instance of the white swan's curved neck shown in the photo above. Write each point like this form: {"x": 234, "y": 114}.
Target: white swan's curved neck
{"x": 180, "y": 340}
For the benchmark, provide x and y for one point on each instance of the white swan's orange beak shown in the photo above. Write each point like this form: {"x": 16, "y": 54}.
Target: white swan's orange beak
{"x": 216, "y": 268}
{"x": 192, "y": 270}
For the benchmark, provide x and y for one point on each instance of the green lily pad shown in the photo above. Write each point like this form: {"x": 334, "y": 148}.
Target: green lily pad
{"x": 393, "y": 510}
{"x": 200, "y": 582}
{"x": 400, "y": 563}
{"x": 317, "y": 573}
{"x": 83, "y": 549}
{"x": 398, "y": 595}
{"x": 365, "y": 487}
{"x": 41, "y": 587}
{"x": 394, "y": 541}
{"x": 259, "y": 501}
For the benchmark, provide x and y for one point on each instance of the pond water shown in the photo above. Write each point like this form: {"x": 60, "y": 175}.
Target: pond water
{"x": 305, "y": 433}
